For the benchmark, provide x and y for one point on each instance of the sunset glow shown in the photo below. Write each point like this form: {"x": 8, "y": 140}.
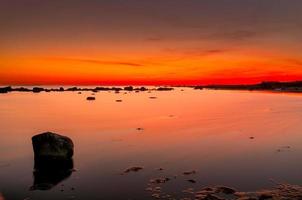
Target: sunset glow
{"x": 148, "y": 43}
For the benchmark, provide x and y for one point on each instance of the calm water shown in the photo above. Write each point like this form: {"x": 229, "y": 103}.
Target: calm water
{"x": 206, "y": 131}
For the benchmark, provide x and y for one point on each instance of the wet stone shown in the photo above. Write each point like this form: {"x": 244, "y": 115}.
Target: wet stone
{"x": 133, "y": 169}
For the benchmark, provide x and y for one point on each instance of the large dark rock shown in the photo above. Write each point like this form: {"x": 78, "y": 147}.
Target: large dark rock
{"x": 52, "y": 146}
{"x": 53, "y": 160}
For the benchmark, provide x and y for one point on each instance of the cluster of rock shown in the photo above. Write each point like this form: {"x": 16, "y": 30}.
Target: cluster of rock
{"x": 53, "y": 163}
{"x": 74, "y": 89}
{"x": 281, "y": 192}
{"x": 155, "y": 188}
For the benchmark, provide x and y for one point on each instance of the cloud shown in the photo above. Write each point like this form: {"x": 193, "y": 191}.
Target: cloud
{"x": 197, "y": 51}
{"x": 101, "y": 62}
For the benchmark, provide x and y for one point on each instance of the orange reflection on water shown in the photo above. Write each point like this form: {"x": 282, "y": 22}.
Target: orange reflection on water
{"x": 204, "y": 130}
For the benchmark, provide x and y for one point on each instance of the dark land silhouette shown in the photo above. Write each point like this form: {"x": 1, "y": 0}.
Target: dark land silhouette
{"x": 293, "y": 86}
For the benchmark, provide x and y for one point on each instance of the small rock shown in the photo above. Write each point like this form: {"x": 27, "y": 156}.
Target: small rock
{"x": 191, "y": 181}
{"x": 189, "y": 172}
{"x": 133, "y": 169}
{"x": 189, "y": 190}
{"x": 159, "y": 180}
{"x": 90, "y": 98}
{"x": 155, "y": 195}
{"x": 225, "y": 190}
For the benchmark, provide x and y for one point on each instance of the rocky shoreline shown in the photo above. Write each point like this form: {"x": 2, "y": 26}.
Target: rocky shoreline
{"x": 295, "y": 87}
{"x": 78, "y": 89}
{"x": 155, "y": 188}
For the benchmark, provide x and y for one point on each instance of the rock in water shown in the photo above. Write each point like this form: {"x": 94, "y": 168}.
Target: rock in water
{"x": 90, "y": 98}
{"x": 53, "y": 160}
{"x": 52, "y": 146}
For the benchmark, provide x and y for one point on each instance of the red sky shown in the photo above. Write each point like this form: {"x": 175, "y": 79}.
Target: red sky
{"x": 149, "y": 42}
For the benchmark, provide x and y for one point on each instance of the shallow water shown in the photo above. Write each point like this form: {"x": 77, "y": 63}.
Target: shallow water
{"x": 207, "y": 131}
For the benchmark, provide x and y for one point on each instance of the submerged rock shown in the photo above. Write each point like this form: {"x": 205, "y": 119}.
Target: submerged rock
{"x": 52, "y": 146}
{"x": 225, "y": 190}
{"x": 189, "y": 172}
{"x": 133, "y": 169}
{"x": 191, "y": 181}
{"x": 159, "y": 180}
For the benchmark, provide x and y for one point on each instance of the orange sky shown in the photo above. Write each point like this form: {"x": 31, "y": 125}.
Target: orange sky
{"x": 144, "y": 43}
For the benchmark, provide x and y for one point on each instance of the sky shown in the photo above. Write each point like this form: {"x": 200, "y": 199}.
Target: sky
{"x": 149, "y": 42}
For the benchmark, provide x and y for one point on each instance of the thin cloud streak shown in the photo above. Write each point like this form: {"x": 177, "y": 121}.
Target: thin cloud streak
{"x": 101, "y": 62}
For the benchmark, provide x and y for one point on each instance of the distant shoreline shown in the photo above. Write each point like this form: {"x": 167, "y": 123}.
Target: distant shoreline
{"x": 79, "y": 89}
{"x": 294, "y": 87}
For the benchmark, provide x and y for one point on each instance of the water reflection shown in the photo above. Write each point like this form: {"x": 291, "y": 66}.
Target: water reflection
{"x": 210, "y": 132}
{"x": 49, "y": 173}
